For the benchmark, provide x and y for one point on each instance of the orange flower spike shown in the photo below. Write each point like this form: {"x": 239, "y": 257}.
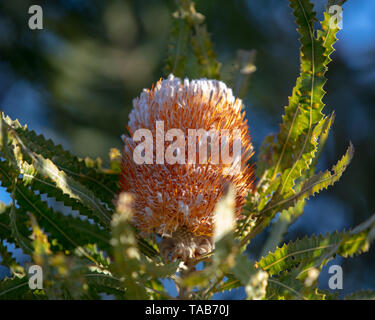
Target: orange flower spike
{"x": 177, "y": 200}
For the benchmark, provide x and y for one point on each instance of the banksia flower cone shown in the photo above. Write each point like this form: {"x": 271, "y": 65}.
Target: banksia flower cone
{"x": 177, "y": 200}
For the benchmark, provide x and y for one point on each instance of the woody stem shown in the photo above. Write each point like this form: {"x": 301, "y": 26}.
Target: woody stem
{"x": 183, "y": 291}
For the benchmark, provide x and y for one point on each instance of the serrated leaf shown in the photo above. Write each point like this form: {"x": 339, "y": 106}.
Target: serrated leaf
{"x": 314, "y": 184}
{"x": 69, "y": 231}
{"x": 289, "y": 157}
{"x": 103, "y": 183}
{"x": 230, "y": 283}
{"x": 15, "y": 288}
{"x": 280, "y": 227}
{"x": 200, "y": 40}
{"x": 104, "y": 283}
{"x": 316, "y": 251}
{"x": 285, "y": 287}
{"x": 7, "y": 257}
{"x": 75, "y": 190}
{"x": 361, "y": 295}
{"x": 295, "y": 148}
{"x": 307, "y": 188}
{"x": 178, "y": 44}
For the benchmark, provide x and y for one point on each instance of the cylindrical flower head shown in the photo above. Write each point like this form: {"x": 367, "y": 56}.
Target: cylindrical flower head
{"x": 172, "y": 196}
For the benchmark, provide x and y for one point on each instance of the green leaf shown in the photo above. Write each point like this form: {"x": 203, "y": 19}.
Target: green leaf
{"x": 230, "y": 283}
{"x": 127, "y": 265}
{"x": 285, "y": 287}
{"x": 177, "y": 48}
{"x": 295, "y": 145}
{"x": 101, "y": 258}
{"x": 7, "y": 258}
{"x": 161, "y": 270}
{"x": 15, "y": 289}
{"x": 6, "y": 228}
{"x": 306, "y": 188}
{"x": 70, "y": 232}
{"x": 103, "y": 183}
{"x": 289, "y": 158}
{"x": 254, "y": 280}
{"x": 361, "y": 295}
{"x": 200, "y": 39}
{"x": 104, "y": 283}
{"x": 78, "y": 195}
{"x": 316, "y": 251}
{"x": 50, "y": 180}
{"x": 63, "y": 276}
{"x": 313, "y": 185}
{"x": 280, "y": 227}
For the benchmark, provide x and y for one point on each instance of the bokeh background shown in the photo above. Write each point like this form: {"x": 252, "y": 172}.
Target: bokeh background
{"x": 74, "y": 81}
